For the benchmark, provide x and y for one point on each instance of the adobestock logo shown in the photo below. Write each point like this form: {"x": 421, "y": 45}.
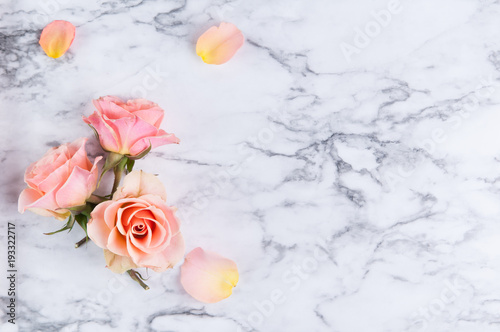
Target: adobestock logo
{"x": 424, "y": 316}
{"x": 372, "y": 29}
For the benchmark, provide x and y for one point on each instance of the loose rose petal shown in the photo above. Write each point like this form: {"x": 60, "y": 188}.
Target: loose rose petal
{"x": 207, "y": 276}
{"x": 218, "y": 44}
{"x": 57, "y": 37}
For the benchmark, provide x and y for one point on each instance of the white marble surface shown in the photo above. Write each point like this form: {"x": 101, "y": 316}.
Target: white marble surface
{"x": 358, "y": 193}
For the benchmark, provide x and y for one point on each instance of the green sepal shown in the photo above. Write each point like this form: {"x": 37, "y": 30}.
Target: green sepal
{"x": 130, "y": 164}
{"x": 69, "y": 226}
{"x": 142, "y": 154}
{"x": 78, "y": 208}
{"x": 95, "y": 132}
{"x": 112, "y": 160}
{"x": 82, "y": 220}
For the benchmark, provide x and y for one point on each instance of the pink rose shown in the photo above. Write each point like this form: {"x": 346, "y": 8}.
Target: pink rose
{"x": 129, "y": 128}
{"x": 137, "y": 228}
{"x": 62, "y": 179}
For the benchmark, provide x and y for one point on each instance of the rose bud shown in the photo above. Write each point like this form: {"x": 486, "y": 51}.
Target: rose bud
{"x": 129, "y": 128}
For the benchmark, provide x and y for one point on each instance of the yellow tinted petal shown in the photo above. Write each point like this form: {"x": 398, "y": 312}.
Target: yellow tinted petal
{"x": 57, "y": 37}
{"x": 218, "y": 44}
{"x": 207, "y": 276}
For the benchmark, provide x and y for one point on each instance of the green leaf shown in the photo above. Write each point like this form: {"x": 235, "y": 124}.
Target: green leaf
{"x": 130, "y": 165}
{"x": 69, "y": 225}
{"x": 82, "y": 220}
{"x": 112, "y": 160}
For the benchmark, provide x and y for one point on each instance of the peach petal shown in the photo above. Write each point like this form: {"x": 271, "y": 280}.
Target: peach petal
{"x": 167, "y": 258}
{"x": 125, "y": 214}
{"x": 207, "y": 276}
{"x": 77, "y": 150}
{"x": 117, "y": 263}
{"x": 56, "y": 179}
{"x": 217, "y": 45}
{"x": 161, "y": 237}
{"x": 97, "y": 229}
{"x": 139, "y": 183}
{"x": 56, "y": 38}
{"x": 79, "y": 186}
{"x": 168, "y": 212}
{"x": 117, "y": 243}
{"x": 47, "y": 202}
{"x": 28, "y": 196}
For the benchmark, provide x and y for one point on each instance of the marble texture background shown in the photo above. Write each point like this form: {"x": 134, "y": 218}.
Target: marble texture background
{"x": 349, "y": 166}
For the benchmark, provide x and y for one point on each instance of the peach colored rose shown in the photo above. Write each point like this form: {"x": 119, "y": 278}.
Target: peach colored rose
{"x": 128, "y": 128}
{"x": 137, "y": 228}
{"x": 62, "y": 179}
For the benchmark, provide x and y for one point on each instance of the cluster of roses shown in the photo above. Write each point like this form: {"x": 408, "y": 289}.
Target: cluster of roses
{"x": 133, "y": 224}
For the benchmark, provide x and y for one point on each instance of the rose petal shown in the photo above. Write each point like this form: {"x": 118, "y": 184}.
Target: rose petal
{"x": 46, "y": 202}
{"x": 79, "y": 186}
{"x": 207, "y": 276}
{"x": 168, "y": 211}
{"x": 56, "y": 38}
{"x": 117, "y": 263}
{"x": 107, "y": 136}
{"x": 60, "y": 214}
{"x": 28, "y": 196}
{"x": 218, "y": 44}
{"x": 166, "y": 259}
{"x": 97, "y": 229}
{"x": 139, "y": 183}
{"x": 162, "y": 138}
{"x": 152, "y": 116}
{"x": 117, "y": 243}
{"x": 130, "y": 130}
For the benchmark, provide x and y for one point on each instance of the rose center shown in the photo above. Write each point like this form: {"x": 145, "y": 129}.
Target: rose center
{"x": 139, "y": 229}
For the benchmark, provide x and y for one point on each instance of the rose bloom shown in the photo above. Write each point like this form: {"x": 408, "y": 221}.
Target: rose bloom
{"x": 137, "y": 228}
{"x": 62, "y": 179}
{"x": 128, "y": 128}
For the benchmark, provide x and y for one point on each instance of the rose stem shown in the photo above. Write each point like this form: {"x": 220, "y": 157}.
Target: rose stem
{"x": 133, "y": 275}
{"x": 118, "y": 170}
{"x": 82, "y": 242}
